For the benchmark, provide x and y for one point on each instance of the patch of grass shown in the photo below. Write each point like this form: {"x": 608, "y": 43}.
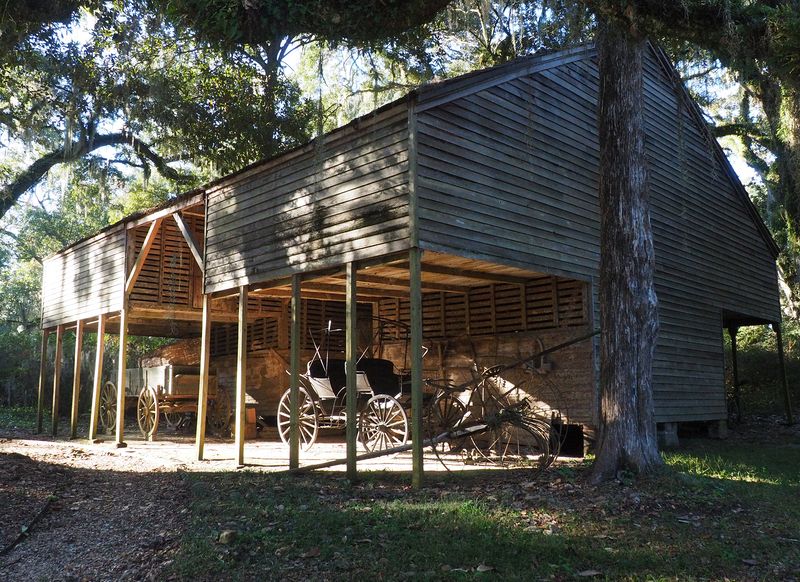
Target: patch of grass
{"x": 723, "y": 510}
{"x": 18, "y": 417}
{"x": 738, "y": 462}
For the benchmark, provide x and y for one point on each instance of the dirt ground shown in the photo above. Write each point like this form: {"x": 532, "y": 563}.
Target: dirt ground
{"x": 72, "y": 510}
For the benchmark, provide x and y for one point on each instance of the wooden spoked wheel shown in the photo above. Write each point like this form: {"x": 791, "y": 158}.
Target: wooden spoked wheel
{"x": 307, "y": 419}
{"x": 147, "y": 412}
{"x": 108, "y": 407}
{"x": 510, "y": 445}
{"x": 383, "y": 424}
{"x": 444, "y": 415}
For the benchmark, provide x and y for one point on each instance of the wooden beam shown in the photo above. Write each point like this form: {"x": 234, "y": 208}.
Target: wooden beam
{"x": 787, "y": 400}
{"x": 121, "y": 376}
{"x": 57, "y": 379}
{"x": 202, "y": 392}
{"x": 294, "y": 375}
{"x": 190, "y": 241}
{"x": 198, "y": 198}
{"x": 76, "y": 380}
{"x": 351, "y": 353}
{"x": 241, "y": 376}
{"x": 97, "y": 381}
{"x": 364, "y": 293}
{"x": 415, "y": 296}
{"x": 42, "y": 374}
{"x": 466, "y": 273}
{"x": 404, "y": 283}
{"x": 149, "y": 239}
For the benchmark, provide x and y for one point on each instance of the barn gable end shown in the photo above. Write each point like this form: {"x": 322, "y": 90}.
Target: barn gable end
{"x": 508, "y": 172}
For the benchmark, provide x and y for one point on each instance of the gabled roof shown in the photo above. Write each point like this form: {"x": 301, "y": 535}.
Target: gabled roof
{"x": 440, "y": 92}
{"x": 436, "y": 94}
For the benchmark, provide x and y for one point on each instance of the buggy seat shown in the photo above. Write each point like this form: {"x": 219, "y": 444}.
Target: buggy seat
{"x": 373, "y": 375}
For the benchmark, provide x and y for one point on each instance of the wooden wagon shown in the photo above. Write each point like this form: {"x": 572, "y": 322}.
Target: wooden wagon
{"x": 169, "y": 391}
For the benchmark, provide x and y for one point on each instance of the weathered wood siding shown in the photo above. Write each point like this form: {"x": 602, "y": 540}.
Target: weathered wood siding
{"x": 331, "y": 202}
{"x": 84, "y": 280}
{"x": 509, "y": 173}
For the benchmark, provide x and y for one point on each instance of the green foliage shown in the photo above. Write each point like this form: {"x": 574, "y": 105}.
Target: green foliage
{"x": 159, "y": 99}
{"x": 233, "y": 24}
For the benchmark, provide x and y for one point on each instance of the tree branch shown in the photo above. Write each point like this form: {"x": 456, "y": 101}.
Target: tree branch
{"x": 10, "y": 193}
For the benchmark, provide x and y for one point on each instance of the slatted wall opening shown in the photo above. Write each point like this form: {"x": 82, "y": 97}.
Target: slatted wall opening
{"x": 262, "y": 333}
{"x": 170, "y": 275}
{"x": 497, "y": 309}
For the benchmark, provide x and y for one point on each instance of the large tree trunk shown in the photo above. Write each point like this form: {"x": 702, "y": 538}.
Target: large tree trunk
{"x": 628, "y": 305}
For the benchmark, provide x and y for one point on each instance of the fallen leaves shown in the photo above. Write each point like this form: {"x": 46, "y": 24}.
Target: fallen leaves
{"x": 311, "y": 553}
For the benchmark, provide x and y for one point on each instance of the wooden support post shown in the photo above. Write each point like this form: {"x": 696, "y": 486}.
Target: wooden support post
{"x": 57, "y": 379}
{"x": 121, "y": 376}
{"x": 732, "y": 332}
{"x": 351, "y": 349}
{"x": 294, "y": 376}
{"x": 787, "y": 400}
{"x": 42, "y": 374}
{"x": 76, "y": 380}
{"x": 98, "y": 377}
{"x": 241, "y": 376}
{"x": 202, "y": 392}
{"x": 415, "y": 293}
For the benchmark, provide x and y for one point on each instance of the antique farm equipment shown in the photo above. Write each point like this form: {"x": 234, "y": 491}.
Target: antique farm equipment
{"x": 169, "y": 391}
{"x": 491, "y": 420}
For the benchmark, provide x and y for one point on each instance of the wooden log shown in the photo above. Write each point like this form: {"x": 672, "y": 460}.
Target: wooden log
{"x": 57, "y": 379}
{"x": 76, "y": 380}
{"x": 241, "y": 376}
{"x": 460, "y": 434}
{"x": 42, "y": 374}
{"x": 294, "y": 375}
{"x": 351, "y": 349}
{"x": 202, "y": 392}
{"x": 98, "y": 377}
{"x": 415, "y": 292}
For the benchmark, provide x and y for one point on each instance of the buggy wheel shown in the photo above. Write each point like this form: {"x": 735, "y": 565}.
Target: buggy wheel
{"x": 383, "y": 424}
{"x": 219, "y": 414}
{"x": 445, "y": 413}
{"x": 108, "y": 407}
{"x": 147, "y": 412}
{"x": 307, "y": 424}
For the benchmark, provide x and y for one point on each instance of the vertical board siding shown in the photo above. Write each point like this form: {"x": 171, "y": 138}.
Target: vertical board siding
{"x": 335, "y": 201}
{"x": 85, "y": 280}
{"x": 509, "y": 174}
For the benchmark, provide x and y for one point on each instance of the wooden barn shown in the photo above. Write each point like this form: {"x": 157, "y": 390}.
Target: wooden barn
{"x": 467, "y": 211}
